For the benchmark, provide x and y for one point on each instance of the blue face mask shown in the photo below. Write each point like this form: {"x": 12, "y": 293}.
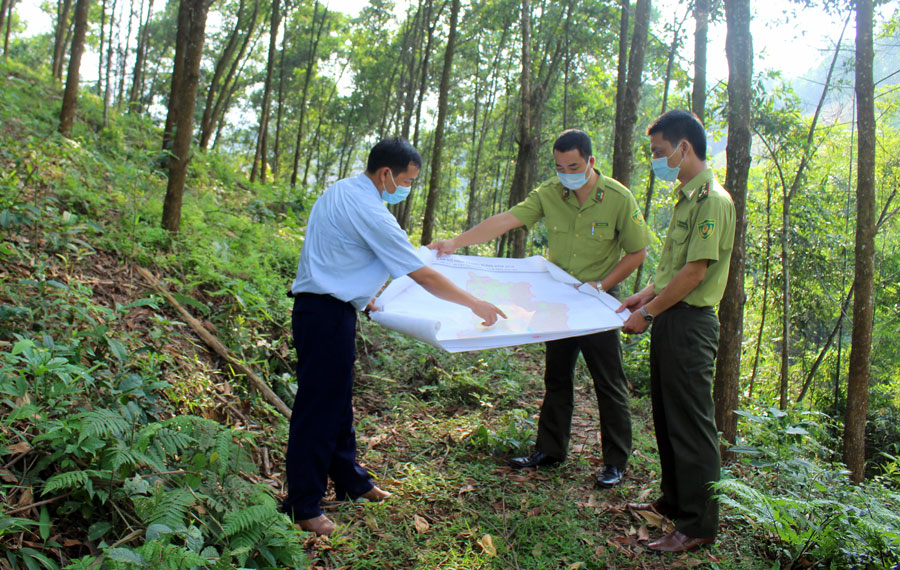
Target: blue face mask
{"x": 575, "y": 181}
{"x": 661, "y": 167}
{"x": 399, "y": 194}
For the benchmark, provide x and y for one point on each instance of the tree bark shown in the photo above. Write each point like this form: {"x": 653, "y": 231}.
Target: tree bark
{"x": 181, "y": 40}
{"x": 622, "y": 67}
{"x": 434, "y": 184}
{"x": 765, "y": 295}
{"x": 864, "y": 271}
{"x": 623, "y": 140}
{"x": 739, "y": 51}
{"x": 63, "y": 8}
{"x": 259, "y": 157}
{"x": 137, "y": 77}
{"x": 698, "y": 94}
{"x": 651, "y": 179}
{"x": 315, "y": 35}
{"x": 100, "y": 51}
{"x": 70, "y": 96}
{"x": 10, "y": 4}
{"x": 109, "y": 54}
{"x": 227, "y": 66}
{"x": 192, "y": 28}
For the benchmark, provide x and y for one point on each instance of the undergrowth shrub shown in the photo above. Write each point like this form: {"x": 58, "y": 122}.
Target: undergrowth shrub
{"x": 796, "y": 494}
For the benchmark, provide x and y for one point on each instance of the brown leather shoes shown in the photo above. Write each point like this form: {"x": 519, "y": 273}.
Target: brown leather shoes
{"x": 321, "y": 525}
{"x": 375, "y": 494}
{"x": 677, "y": 541}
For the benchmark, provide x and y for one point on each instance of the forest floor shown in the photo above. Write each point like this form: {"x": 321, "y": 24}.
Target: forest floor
{"x": 432, "y": 428}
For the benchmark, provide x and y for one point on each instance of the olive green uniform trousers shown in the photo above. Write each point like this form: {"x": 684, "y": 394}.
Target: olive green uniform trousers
{"x": 603, "y": 356}
{"x": 683, "y": 345}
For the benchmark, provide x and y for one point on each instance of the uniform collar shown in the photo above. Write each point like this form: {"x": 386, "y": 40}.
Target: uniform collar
{"x": 564, "y": 192}
{"x": 689, "y": 190}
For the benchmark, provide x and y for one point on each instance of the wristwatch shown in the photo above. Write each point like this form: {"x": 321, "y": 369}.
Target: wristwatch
{"x": 647, "y": 316}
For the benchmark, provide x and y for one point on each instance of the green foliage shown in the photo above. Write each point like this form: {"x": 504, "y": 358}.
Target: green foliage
{"x": 514, "y": 438}
{"x": 796, "y": 495}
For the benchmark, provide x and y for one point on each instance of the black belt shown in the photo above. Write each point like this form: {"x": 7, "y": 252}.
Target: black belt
{"x": 683, "y": 305}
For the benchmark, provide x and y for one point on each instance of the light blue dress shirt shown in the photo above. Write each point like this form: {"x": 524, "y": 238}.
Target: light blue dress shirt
{"x": 353, "y": 243}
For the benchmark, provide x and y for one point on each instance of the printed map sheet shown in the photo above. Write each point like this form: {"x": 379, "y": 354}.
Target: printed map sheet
{"x": 541, "y": 301}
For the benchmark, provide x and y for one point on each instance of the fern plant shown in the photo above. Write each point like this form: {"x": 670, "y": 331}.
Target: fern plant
{"x": 817, "y": 516}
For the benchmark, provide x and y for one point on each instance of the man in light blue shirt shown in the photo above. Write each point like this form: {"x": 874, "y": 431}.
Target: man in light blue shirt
{"x": 353, "y": 244}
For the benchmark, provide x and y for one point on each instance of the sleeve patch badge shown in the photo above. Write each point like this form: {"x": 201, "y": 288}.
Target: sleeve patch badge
{"x": 706, "y": 228}
{"x": 637, "y": 218}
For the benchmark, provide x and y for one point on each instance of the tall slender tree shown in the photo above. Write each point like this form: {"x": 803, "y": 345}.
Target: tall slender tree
{"x": 739, "y": 51}
{"x": 135, "y": 96}
{"x": 627, "y": 100}
{"x": 434, "y": 183}
{"x": 864, "y": 271}
{"x": 227, "y": 64}
{"x": 698, "y": 93}
{"x": 259, "y": 159}
{"x": 70, "y": 96}
{"x": 191, "y": 33}
{"x": 60, "y": 34}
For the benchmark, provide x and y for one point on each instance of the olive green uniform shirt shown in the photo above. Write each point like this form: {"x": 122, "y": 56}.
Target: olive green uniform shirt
{"x": 586, "y": 240}
{"x": 702, "y": 227}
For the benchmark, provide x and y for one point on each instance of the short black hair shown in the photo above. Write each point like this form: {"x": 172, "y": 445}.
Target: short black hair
{"x": 395, "y": 153}
{"x": 574, "y": 139}
{"x": 677, "y": 125}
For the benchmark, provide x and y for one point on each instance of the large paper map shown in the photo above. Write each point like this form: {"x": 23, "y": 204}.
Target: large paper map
{"x": 541, "y": 301}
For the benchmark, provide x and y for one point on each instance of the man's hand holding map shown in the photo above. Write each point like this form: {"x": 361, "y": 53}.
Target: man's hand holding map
{"x": 542, "y": 302}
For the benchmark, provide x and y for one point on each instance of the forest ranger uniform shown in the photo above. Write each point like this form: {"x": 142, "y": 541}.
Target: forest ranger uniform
{"x": 587, "y": 241}
{"x": 683, "y": 344}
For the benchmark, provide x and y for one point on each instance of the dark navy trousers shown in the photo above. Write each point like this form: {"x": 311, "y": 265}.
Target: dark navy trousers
{"x": 322, "y": 441}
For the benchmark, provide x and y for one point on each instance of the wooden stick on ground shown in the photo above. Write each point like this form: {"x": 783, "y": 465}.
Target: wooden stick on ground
{"x": 216, "y": 346}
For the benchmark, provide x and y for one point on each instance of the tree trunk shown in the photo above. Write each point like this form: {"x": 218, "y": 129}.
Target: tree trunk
{"x": 259, "y": 158}
{"x": 5, "y": 6}
{"x": 315, "y": 35}
{"x": 178, "y": 73}
{"x": 523, "y": 178}
{"x": 63, "y": 9}
{"x": 100, "y": 51}
{"x": 622, "y": 68}
{"x": 227, "y": 65}
{"x": 277, "y": 150}
{"x": 192, "y": 33}
{"x": 123, "y": 57}
{"x": 698, "y": 95}
{"x": 651, "y": 179}
{"x": 137, "y": 76}
{"x": 109, "y": 54}
{"x": 406, "y": 205}
{"x": 739, "y": 51}
{"x": 434, "y": 184}
{"x": 765, "y": 295}
{"x": 9, "y": 11}
{"x": 623, "y": 150}
{"x": 819, "y": 359}
{"x": 70, "y": 96}
{"x": 864, "y": 271}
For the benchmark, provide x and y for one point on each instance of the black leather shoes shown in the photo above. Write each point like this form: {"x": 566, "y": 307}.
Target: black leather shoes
{"x": 536, "y": 459}
{"x": 609, "y": 477}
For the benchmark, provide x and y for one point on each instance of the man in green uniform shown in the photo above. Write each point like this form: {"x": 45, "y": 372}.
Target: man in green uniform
{"x": 680, "y": 302}
{"x": 597, "y": 234}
